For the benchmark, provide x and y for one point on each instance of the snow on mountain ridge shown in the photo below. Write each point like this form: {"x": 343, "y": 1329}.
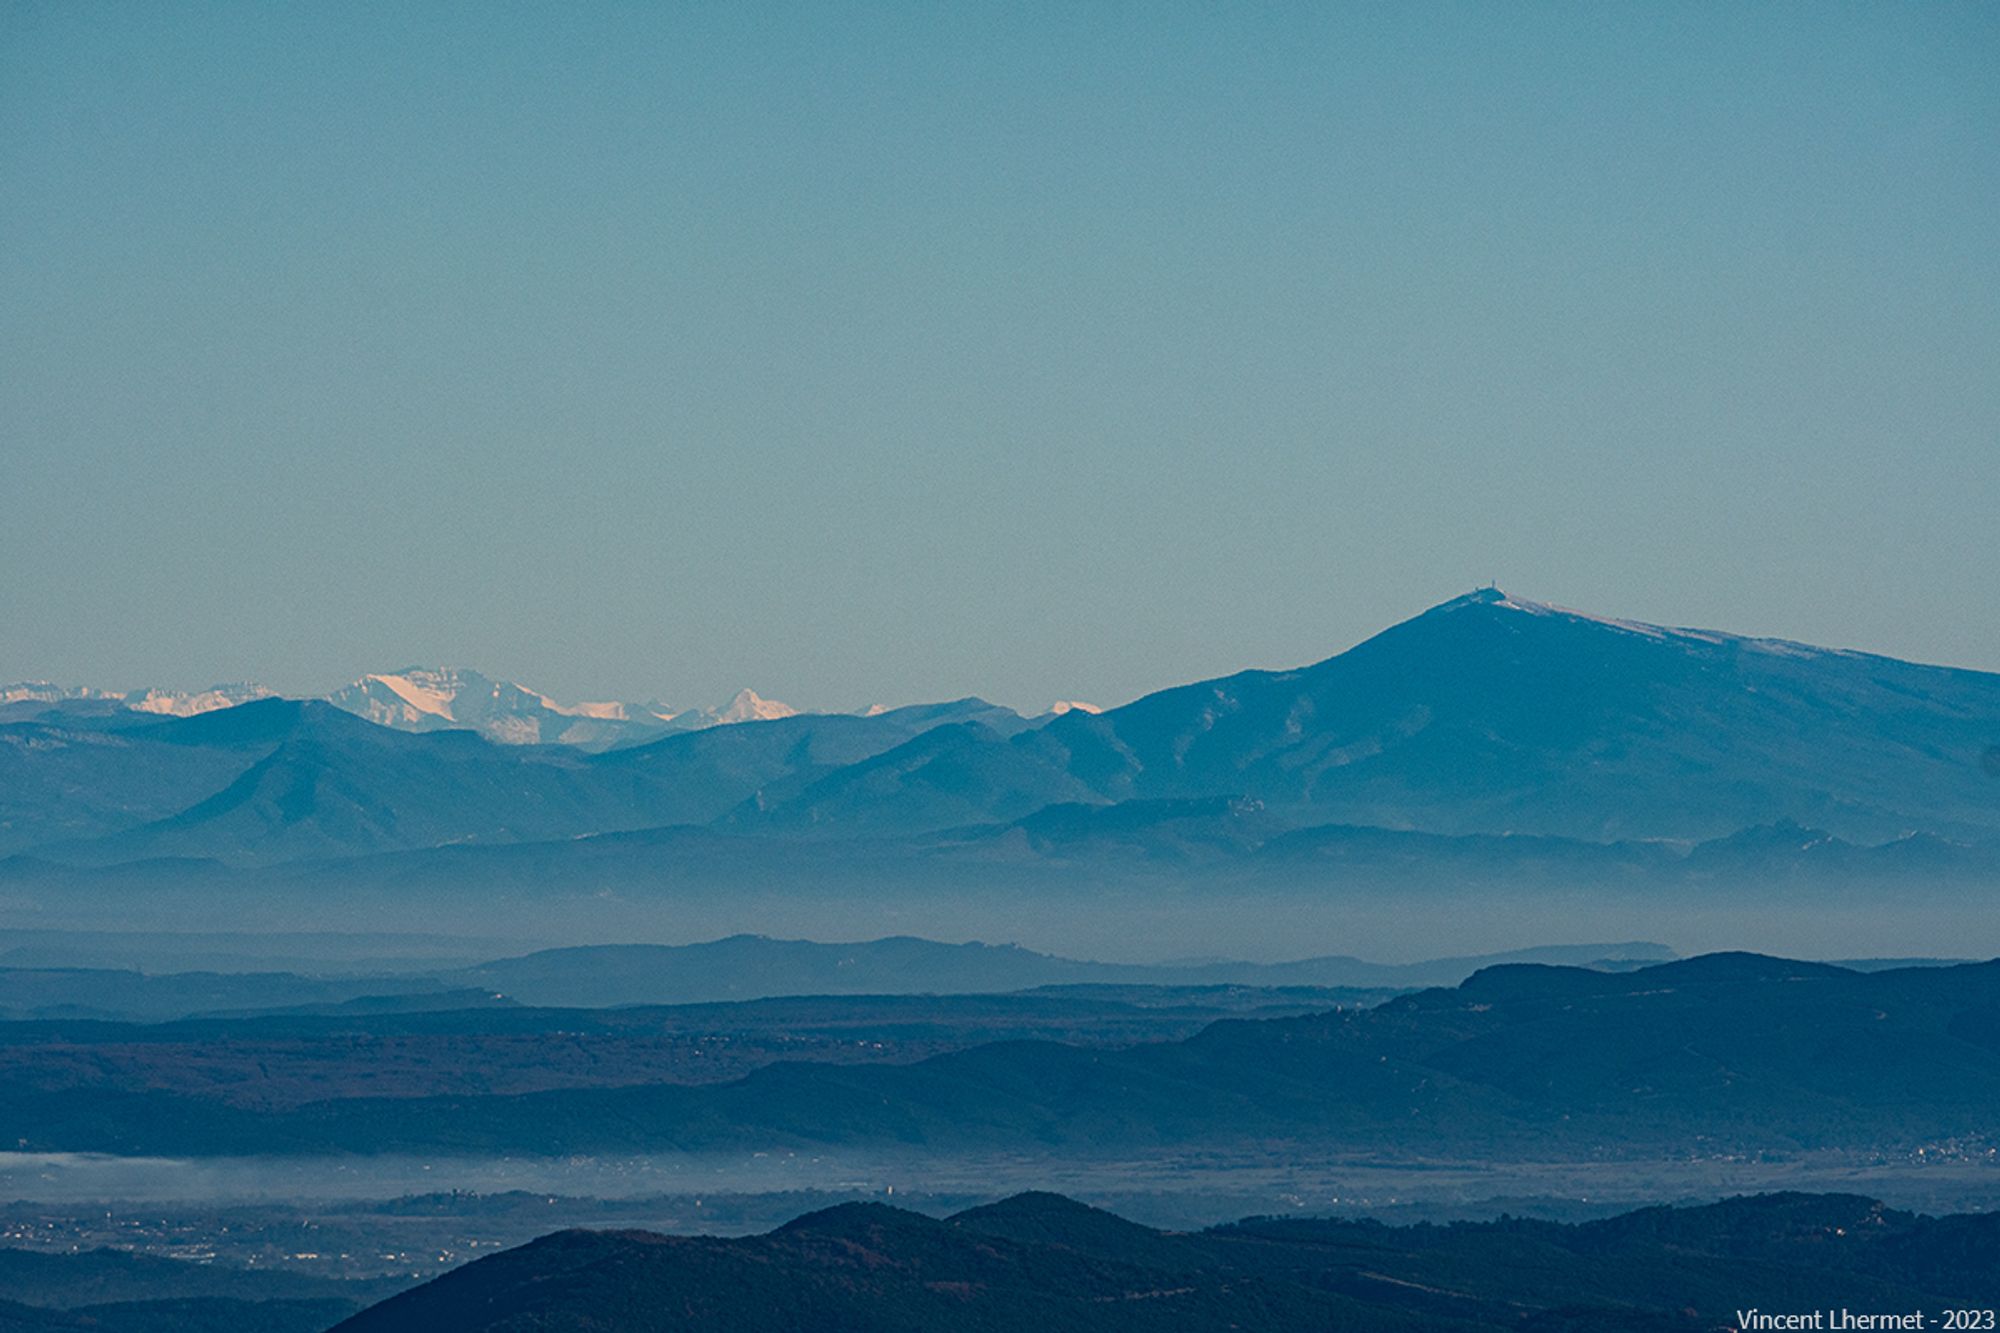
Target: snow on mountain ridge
{"x": 439, "y": 698}
{"x": 750, "y": 706}
{"x": 1494, "y": 597}
{"x": 434, "y": 699}
{"x": 419, "y": 699}
{"x": 180, "y": 703}
{"x": 170, "y": 703}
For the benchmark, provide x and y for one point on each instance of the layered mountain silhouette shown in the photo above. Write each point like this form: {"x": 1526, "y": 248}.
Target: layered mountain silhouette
{"x": 1725, "y": 1053}
{"x": 456, "y": 699}
{"x": 305, "y": 779}
{"x": 1487, "y": 716}
{"x": 24, "y": 699}
{"x": 433, "y": 699}
{"x": 415, "y": 698}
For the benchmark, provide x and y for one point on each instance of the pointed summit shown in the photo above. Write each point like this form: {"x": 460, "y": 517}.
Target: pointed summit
{"x": 1492, "y": 714}
{"x": 750, "y": 706}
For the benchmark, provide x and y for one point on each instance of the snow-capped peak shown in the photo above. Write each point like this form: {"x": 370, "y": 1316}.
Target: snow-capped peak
{"x": 412, "y": 692}
{"x": 435, "y": 698}
{"x": 415, "y": 697}
{"x": 186, "y": 703}
{"x": 750, "y": 706}
{"x": 1061, "y": 706}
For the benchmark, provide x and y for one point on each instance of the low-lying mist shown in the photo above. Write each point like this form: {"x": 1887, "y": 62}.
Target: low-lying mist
{"x": 1138, "y": 920}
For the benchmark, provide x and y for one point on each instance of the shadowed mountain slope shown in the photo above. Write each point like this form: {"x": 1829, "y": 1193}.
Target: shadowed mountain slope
{"x": 333, "y": 783}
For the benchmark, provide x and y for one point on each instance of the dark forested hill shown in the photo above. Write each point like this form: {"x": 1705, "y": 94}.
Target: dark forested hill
{"x": 1043, "y": 1262}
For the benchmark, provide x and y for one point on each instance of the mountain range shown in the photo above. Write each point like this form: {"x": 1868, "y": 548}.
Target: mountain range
{"x": 425, "y": 699}
{"x": 291, "y": 779}
{"x": 1490, "y": 714}
{"x": 29, "y": 698}
{"x": 439, "y": 699}
{"x": 418, "y": 699}
{"x": 1487, "y": 731}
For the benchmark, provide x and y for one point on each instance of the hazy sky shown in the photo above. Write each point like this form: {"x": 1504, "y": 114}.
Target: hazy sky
{"x": 886, "y": 352}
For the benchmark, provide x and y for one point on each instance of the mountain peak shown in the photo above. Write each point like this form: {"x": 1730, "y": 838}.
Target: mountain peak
{"x": 418, "y": 698}
{"x": 856, "y": 1219}
{"x": 750, "y": 706}
{"x": 1493, "y": 598}
{"x": 1492, "y": 595}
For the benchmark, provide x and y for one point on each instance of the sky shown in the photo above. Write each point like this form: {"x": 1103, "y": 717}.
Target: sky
{"x": 886, "y": 352}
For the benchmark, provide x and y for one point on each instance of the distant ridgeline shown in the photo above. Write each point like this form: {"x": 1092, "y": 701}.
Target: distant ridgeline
{"x": 1726, "y": 1053}
{"x": 147, "y": 978}
{"x": 1487, "y": 740}
{"x": 1040, "y": 1261}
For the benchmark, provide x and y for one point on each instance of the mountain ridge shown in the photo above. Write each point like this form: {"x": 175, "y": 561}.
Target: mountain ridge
{"x": 1490, "y": 714}
{"x": 1484, "y": 717}
{"x": 417, "y": 699}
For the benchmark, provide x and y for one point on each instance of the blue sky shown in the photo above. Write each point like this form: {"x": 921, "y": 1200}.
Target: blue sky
{"x": 885, "y": 352}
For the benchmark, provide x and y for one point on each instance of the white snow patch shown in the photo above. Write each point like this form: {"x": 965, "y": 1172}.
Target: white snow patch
{"x": 421, "y": 699}
{"x": 1776, "y": 647}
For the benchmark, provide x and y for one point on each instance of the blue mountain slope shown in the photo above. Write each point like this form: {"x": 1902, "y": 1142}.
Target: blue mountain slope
{"x": 281, "y": 780}
{"x": 1486, "y": 716}
{"x": 1489, "y": 714}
